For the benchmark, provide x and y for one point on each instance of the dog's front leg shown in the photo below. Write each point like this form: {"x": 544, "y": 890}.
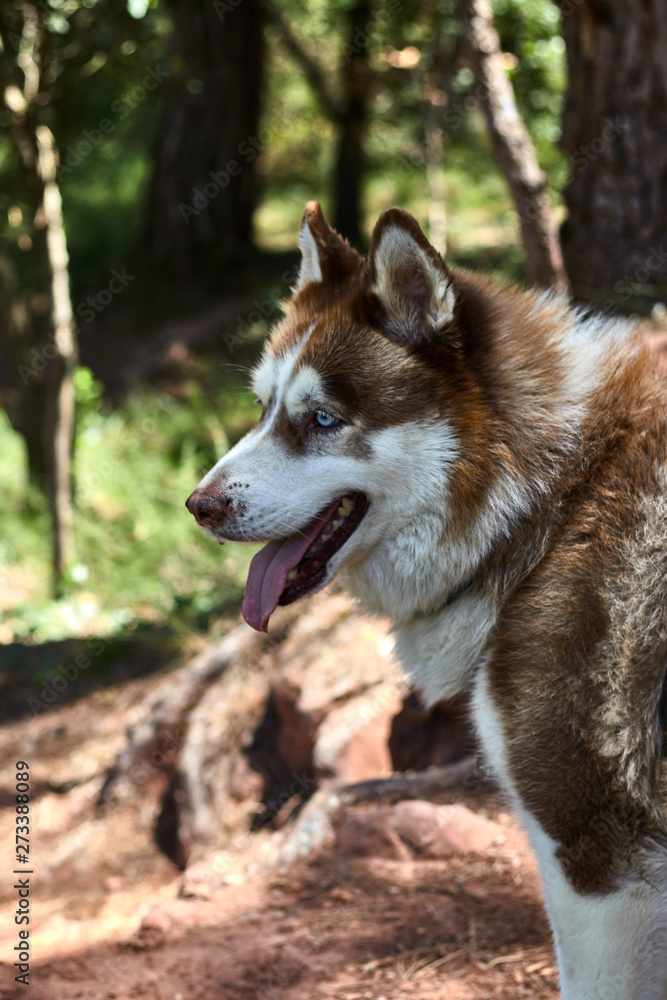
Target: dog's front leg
{"x": 609, "y": 926}
{"x": 610, "y": 946}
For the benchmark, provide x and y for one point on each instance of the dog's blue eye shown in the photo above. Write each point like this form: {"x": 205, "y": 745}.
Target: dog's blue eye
{"x": 323, "y": 419}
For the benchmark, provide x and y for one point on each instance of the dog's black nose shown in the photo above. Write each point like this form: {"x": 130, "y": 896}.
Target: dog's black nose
{"x": 208, "y": 509}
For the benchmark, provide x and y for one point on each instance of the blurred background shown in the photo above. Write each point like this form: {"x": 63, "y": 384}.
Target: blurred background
{"x": 186, "y": 136}
{"x": 155, "y": 159}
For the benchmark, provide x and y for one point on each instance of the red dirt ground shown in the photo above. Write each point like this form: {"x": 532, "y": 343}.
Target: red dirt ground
{"x": 109, "y": 923}
{"x": 110, "y": 920}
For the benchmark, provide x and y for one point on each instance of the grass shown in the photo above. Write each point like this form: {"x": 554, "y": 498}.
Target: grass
{"x": 139, "y": 556}
{"x": 482, "y": 226}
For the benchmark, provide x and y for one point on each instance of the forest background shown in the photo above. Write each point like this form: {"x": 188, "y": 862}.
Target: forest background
{"x": 155, "y": 158}
{"x": 191, "y": 781}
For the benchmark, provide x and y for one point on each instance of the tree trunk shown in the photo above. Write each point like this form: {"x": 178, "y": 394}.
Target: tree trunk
{"x": 248, "y": 730}
{"x": 440, "y": 58}
{"x": 436, "y": 190}
{"x": 22, "y": 343}
{"x": 60, "y": 415}
{"x": 41, "y": 340}
{"x": 347, "y": 109}
{"x": 615, "y": 135}
{"x": 513, "y": 147}
{"x": 204, "y": 185}
{"x": 351, "y": 122}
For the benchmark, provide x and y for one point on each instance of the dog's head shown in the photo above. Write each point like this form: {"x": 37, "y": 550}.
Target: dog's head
{"x": 362, "y": 386}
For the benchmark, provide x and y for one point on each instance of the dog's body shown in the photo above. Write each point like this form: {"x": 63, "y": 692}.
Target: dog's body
{"x": 489, "y": 468}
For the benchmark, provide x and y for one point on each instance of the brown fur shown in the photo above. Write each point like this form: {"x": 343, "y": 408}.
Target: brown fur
{"x": 577, "y": 572}
{"x": 556, "y": 634}
{"x": 554, "y": 571}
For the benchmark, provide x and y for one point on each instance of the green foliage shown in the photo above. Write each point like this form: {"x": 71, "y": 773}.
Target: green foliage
{"x": 101, "y": 54}
{"x": 417, "y": 78}
{"x": 139, "y": 553}
{"x": 100, "y": 100}
{"x": 531, "y": 31}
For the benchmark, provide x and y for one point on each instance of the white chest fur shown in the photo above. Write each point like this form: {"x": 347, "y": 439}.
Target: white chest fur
{"x": 442, "y": 651}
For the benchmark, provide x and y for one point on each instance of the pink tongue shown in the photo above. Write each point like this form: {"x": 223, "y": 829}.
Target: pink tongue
{"x": 268, "y": 571}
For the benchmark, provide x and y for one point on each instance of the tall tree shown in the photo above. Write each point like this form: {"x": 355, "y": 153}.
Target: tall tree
{"x": 204, "y": 186}
{"x": 513, "y": 146}
{"x": 49, "y": 55}
{"x": 346, "y": 106}
{"x": 615, "y": 135}
{"x": 439, "y": 55}
{"x": 40, "y": 339}
{"x": 351, "y": 123}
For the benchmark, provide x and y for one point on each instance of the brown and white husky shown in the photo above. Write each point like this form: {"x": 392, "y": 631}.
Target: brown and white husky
{"x": 488, "y": 467}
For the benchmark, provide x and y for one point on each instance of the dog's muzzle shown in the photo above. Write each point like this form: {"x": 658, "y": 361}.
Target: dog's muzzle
{"x": 209, "y": 509}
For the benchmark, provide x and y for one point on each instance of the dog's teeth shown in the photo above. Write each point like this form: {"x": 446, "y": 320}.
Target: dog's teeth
{"x": 337, "y": 523}
{"x": 326, "y": 536}
{"x": 291, "y": 575}
{"x": 347, "y": 504}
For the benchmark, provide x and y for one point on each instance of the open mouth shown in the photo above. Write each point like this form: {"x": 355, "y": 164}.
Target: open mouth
{"x": 287, "y": 569}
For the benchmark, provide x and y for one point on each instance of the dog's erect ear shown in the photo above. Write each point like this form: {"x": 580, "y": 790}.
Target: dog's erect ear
{"x": 409, "y": 280}
{"x": 325, "y": 256}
